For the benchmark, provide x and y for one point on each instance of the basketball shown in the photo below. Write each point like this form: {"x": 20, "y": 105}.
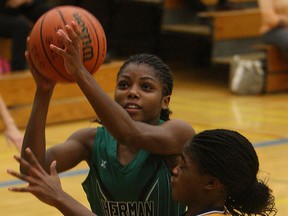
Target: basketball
{"x": 93, "y": 41}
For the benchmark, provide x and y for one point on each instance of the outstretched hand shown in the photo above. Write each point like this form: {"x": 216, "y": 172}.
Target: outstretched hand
{"x": 47, "y": 188}
{"x": 71, "y": 53}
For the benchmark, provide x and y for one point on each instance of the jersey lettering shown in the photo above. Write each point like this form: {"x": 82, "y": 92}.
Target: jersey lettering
{"x": 113, "y": 208}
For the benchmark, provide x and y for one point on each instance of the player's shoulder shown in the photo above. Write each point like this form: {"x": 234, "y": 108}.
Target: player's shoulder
{"x": 181, "y": 125}
{"x": 83, "y": 135}
{"x": 88, "y": 130}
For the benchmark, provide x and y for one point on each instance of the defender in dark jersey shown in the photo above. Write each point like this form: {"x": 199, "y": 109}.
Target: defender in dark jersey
{"x": 217, "y": 176}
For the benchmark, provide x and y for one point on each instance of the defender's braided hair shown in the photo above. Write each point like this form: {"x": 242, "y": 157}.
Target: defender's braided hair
{"x": 163, "y": 72}
{"x": 231, "y": 158}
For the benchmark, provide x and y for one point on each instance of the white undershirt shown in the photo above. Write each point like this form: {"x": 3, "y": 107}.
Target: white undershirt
{"x": 211, "y": 212}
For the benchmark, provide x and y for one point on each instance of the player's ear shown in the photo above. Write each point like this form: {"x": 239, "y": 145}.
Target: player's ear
{"x": 213, "y": 183}
{"x": 165, "y": 102}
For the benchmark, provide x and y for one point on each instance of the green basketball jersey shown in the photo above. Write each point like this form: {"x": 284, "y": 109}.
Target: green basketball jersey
{"x": 140, "y": 188}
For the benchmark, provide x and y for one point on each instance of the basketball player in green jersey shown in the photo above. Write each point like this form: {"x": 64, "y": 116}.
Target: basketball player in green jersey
{"x": 217, "y": 176}
{"x": 130, "y": 155}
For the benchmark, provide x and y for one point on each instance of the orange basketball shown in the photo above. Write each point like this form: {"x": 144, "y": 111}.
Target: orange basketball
{"x": 93, "y": 39}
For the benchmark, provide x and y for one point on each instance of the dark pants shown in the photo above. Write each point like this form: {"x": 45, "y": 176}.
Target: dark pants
{"x": 277, "y": 37}
{"x": 130, "y": 26}
{"x": 198, "y": 5}
{"x": 17, "y": 24}
{"x": 103, "y": 10}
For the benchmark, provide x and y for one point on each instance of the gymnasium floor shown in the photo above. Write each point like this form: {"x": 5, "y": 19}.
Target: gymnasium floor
{"x": 203, "y": 99}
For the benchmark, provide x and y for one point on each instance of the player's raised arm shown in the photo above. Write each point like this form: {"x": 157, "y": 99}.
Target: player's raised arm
{"x": 71, "y": 151}
{"x": 140, "y": 78}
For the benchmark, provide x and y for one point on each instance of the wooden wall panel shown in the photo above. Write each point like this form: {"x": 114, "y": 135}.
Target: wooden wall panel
{"x": 68, "y": 102}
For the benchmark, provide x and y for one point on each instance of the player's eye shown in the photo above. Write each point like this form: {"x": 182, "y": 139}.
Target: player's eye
{"x": 147, "y": 87}
{"x": 122, "y": 84}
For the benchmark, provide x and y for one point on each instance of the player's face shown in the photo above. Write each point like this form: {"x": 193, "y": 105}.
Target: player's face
{"x": 188, "y": 184}
{"x": 139, "y": 92}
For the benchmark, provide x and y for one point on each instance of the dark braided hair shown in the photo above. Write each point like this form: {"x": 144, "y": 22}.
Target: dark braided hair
{"x": 231, "y": 158}
{"x": 163, "y": 72}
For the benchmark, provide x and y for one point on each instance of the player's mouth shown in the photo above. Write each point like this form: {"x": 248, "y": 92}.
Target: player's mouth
{"x": 132, "y": 108}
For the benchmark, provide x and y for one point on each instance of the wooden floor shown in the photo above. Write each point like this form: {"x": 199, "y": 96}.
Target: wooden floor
{"x": 203, "y": 99}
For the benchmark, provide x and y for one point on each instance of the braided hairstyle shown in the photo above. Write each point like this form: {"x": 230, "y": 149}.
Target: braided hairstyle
{"x": 231, "y": 158}
{"x": 163, "y": 73}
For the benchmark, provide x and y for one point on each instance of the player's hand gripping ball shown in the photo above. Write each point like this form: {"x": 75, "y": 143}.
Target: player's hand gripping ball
{"x": 93, "y": 41}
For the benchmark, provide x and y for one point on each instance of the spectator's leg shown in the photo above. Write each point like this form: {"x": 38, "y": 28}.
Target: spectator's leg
{"x": 277, "y": 37}
{"x": 195, "y": 5}
{"x": 226, "y": 5}
{"x": 35, "y": 10}
{"x": 17, "y": 28}
{"x": 222, "y": 2}
{"x": 104, "y": 11}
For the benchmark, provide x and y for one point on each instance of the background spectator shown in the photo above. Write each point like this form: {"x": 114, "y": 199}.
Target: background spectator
{"x": 16, "y": 20}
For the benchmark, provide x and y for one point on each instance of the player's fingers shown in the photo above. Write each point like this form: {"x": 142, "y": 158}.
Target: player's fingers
{"x": 27, "y": 166}
{"x": 76, "y": 28}
{"x": 73, "y": 36}
{"x": 57, "y": 50}
{"x": 19, "y": 189}
{"x": 17, "y": 175}
{"x": 22, "y": 177}
{"x": 33, "y": 160}
{"x": 23, "y": 163}
{"x": 27, "y": 41}
{"x": 30, "y": 62}
{"x": 72, "y": 32}
{"x": 62, "y": 34}
{"x": 53, "y": 169}
{"x": 28, "y": 57}
{"x": 64, "y": 37}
